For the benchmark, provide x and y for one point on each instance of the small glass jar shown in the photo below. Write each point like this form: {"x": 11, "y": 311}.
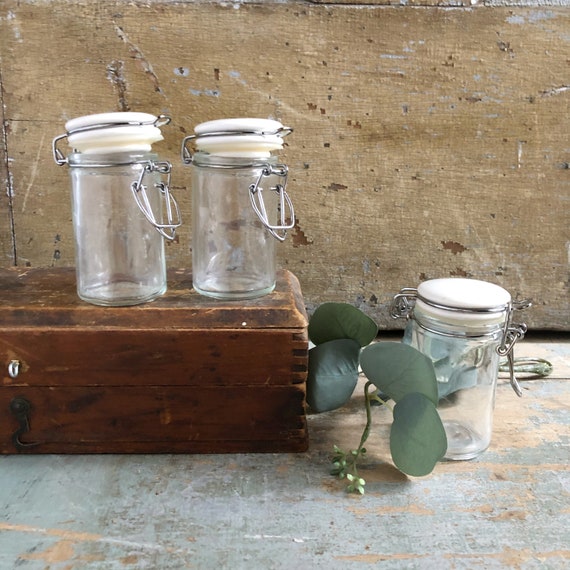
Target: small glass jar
{"x": 464, "y": 326}
{"x": 240, "y": 208}
{"x": 119, "y": 191}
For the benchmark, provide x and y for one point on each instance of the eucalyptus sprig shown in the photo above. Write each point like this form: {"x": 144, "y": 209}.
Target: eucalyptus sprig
{"x": 343, "y": 335}
{"x": 344, "y": 465}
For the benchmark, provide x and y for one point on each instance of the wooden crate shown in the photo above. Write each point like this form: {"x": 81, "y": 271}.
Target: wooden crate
{"x": 182, "y": 374}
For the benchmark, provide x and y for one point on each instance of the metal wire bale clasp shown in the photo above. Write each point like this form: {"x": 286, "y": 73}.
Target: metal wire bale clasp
{"x": 285, "y": 206}
{"x": 403, "y": 303}
{"x": 511, "y": 333}
{"x": 139, "y": 190}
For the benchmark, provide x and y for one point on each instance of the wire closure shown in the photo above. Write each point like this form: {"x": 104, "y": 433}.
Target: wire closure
{"x": 187, "y": 156}
{"x": 403, "y": 305}
{"x": 140, "y": 195}
{"x": 511, "y": 333}
{"x": 60, "y": 158}
{"x": 285, "y": 206}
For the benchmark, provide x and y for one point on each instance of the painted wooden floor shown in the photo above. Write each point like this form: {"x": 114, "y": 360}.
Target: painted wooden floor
{"x": 510, "y": 508}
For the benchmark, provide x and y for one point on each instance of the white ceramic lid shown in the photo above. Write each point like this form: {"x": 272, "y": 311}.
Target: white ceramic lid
{"x": 248, "y": 137}
{"x": 462, "y": 300}
{"x": 113, "y": 132}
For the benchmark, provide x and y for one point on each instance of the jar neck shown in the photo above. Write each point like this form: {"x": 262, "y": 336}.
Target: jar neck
{"x": 102, "y": 160}
{"x": 467, "y": 328}
{"x": 207, "y": 160}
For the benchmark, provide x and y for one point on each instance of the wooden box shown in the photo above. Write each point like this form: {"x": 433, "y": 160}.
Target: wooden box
{"x": 184, "y": 374}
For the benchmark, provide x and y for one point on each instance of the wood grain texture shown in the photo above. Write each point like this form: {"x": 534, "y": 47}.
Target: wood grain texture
{"x": 40, "y": 297}
{"x": 157, "y": 419}
{"x": 429, "y": 142}
{"x": 181, "y": 374}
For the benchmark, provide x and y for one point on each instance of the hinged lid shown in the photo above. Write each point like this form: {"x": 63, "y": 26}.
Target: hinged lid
{"x": 239, "y": 137}
{"x": 459, "y": 300}
{"x": 111, "y": 132}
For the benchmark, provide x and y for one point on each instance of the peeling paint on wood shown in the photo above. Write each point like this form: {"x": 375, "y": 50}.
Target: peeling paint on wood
{"x": 414, "y": 128}
{"x": 506, "y": 509}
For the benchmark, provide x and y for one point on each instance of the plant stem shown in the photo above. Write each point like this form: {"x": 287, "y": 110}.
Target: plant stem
{"x": 368, "y": 425}
{"x": 382, "y": 402}
{"x": 352, "y": 472}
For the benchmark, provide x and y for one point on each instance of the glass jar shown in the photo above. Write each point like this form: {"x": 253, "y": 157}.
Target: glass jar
{"x": 240, "y": 208}
{"x": 119, "y": 191}
{"x": 464, "y": 326}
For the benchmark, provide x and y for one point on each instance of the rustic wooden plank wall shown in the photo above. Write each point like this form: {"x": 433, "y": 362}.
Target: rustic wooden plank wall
{"x": 429, "y": 140}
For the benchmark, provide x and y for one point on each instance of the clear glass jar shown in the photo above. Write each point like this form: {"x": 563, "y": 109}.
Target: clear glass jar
{"x": 118, "y": 197}
{"x": 239, "y": 207}
{"x": 464, "y": 326}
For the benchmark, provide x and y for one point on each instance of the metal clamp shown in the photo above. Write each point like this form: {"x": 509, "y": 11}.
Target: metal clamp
{"x": 511, "y": 333}
{"x": 139, "y": 191}
{"x": 284, "y": 207}
{"x": 403, "y": 303}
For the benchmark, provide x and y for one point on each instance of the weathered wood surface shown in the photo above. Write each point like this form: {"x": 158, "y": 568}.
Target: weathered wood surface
{"x": 40, "y": 297}
{"x": 507, "y": 509}
{"x": 429, "y": 141}
{"x": 182, "y": 374}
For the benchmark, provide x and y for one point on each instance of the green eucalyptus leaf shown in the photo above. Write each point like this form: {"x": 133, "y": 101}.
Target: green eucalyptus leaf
{"x": 399, "y": 369}
{"x": 417, "y": 436}
{"x": 333, "y": 374}
{"x": 332, "y": 321}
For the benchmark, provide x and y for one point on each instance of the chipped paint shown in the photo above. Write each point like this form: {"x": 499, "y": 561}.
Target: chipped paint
{"x": 453, "y": 246}
{"x": 298, "y": 235}
{"x": 205, "y": 92}
{"x": 181, "y": 71}
{"x": 532, "y": 17}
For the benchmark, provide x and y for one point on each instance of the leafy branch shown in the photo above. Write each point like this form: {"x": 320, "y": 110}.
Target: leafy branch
{"x": 343, "y": 335}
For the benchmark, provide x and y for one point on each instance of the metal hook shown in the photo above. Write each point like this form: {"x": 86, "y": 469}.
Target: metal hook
{"x": 20, "y": 408}
{"x": 512, "y": 378}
